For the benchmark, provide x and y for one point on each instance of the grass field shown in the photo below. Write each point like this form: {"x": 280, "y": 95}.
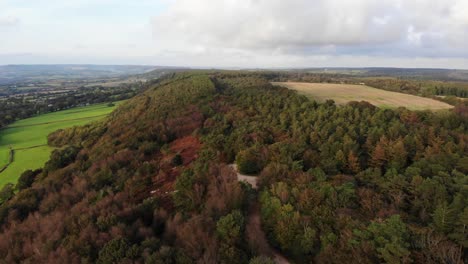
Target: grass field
{"x": 29, "y": 138}
{"x": 343, "y": 93}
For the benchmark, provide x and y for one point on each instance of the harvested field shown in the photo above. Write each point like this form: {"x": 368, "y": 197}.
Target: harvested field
{"x": 344, "y": 93}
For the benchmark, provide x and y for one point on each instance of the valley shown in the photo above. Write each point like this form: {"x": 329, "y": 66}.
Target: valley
{"x": 28, "y": 138}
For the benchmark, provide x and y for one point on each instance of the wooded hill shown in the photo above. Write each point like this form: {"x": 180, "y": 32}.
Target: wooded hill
{"x": 337, "y": 184}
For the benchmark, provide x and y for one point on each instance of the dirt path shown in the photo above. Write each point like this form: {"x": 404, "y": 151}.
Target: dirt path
{"x": 256, "y": 237}
{"x": 252, "y": 180}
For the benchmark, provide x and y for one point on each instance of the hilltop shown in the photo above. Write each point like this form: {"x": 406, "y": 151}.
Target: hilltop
{"x": 153, "y": 182}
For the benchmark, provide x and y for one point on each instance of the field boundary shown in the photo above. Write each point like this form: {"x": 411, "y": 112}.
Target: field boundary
{"x": 59, "y": 121}
{"x": 11, "y": 158}
{"x": 36, "y": 146}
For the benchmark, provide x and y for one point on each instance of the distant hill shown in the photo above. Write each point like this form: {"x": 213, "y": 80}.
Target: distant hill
{"x": 407, "y": 73}
{"x": 10, "y": 74}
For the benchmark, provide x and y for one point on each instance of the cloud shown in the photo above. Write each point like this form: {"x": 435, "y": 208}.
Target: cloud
{"x": 332, "y": 27}
{"x": 9, "y": 21}
{"x": 244, "y": 33}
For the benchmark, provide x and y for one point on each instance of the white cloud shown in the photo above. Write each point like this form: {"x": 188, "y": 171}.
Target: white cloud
{"x": 9, "y": 21}
{"x": 278, "y": 23}
{"x": 245, "y": 33}
{"x": 406, "y": 28}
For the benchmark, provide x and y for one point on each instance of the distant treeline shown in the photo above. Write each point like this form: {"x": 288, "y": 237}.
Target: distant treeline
{"x": 455, "y": 91}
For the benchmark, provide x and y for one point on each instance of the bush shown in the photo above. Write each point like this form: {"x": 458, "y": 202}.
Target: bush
{"x": 26, "y": 179}
{"x": 61, "y": 158}
{"x": 177, "y": 160}
{"x": 114, "y": 251}
{"x": 6, "y": 193}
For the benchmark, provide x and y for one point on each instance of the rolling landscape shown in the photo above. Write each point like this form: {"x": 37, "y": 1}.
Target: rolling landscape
{"x": 228, "y": 162}
{"x": 280, "y": 132}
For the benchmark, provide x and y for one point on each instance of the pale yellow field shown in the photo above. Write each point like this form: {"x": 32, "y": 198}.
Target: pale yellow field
{"x": 344, "y": 93}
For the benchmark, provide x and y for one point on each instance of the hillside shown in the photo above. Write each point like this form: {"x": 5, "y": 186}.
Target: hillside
{"x": 152, "y": 183}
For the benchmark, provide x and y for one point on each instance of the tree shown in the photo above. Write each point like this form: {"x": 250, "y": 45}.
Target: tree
{"x": 113, "y": 251}
{"x": 261, "y": 260}
{"x": 341, "y": 160}
{"x": 229, "y": 229}
{"x": 460, "y": 229}
{"x": 353, "y": 163}
{"x": 378, "y": 157}
{"x": 307, "y": 241}
{"x": 287, "y": 227}
{"x": 443, "y": 218}
{"x": 248, "y": 161}
{"x": 398, "y": 155}
{"x": 61, "y": 158}
{"x": 177, "y": 160}
{"x": 26, "y": 179}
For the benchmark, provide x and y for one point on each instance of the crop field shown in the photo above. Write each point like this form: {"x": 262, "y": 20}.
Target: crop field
{"x": 344, "y": 93}
{"x": 28, "y": 137}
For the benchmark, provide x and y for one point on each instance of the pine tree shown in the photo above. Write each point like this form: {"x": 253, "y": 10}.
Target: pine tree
{"x": 398, "y": 154}
{"x": 353, "y": 163}
{"x": 443, "y": 218}
{"x": 340, "y": 160}
{"x": 460, "y": 229}
{"x": 379, "y": 156}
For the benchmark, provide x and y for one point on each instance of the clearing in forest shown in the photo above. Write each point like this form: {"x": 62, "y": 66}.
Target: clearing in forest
{"x": 28, "y": 138}
{"x": 344, "y": 93}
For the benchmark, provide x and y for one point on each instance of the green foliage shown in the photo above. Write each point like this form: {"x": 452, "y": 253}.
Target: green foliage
{"x": 115, "y": 251}
{"x": 261, "y": 260}
{"x": 6, "y": 193}
{"x": 389, "y": 238}
{"x": 183, "y": 198}
{"x": 26, "y": 179}
{"x": 443, "y": 218}
{"x": 61, "y": 158}
{"x": 230, "y": 227}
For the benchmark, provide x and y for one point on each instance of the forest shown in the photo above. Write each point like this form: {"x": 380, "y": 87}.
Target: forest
{"x": 336, "y": 184}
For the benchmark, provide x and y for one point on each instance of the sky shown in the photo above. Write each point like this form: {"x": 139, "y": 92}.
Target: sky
{"x": 236, "y": 33}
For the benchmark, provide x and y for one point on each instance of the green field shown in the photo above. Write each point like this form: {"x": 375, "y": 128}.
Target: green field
{"x": 29, "y": 137}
